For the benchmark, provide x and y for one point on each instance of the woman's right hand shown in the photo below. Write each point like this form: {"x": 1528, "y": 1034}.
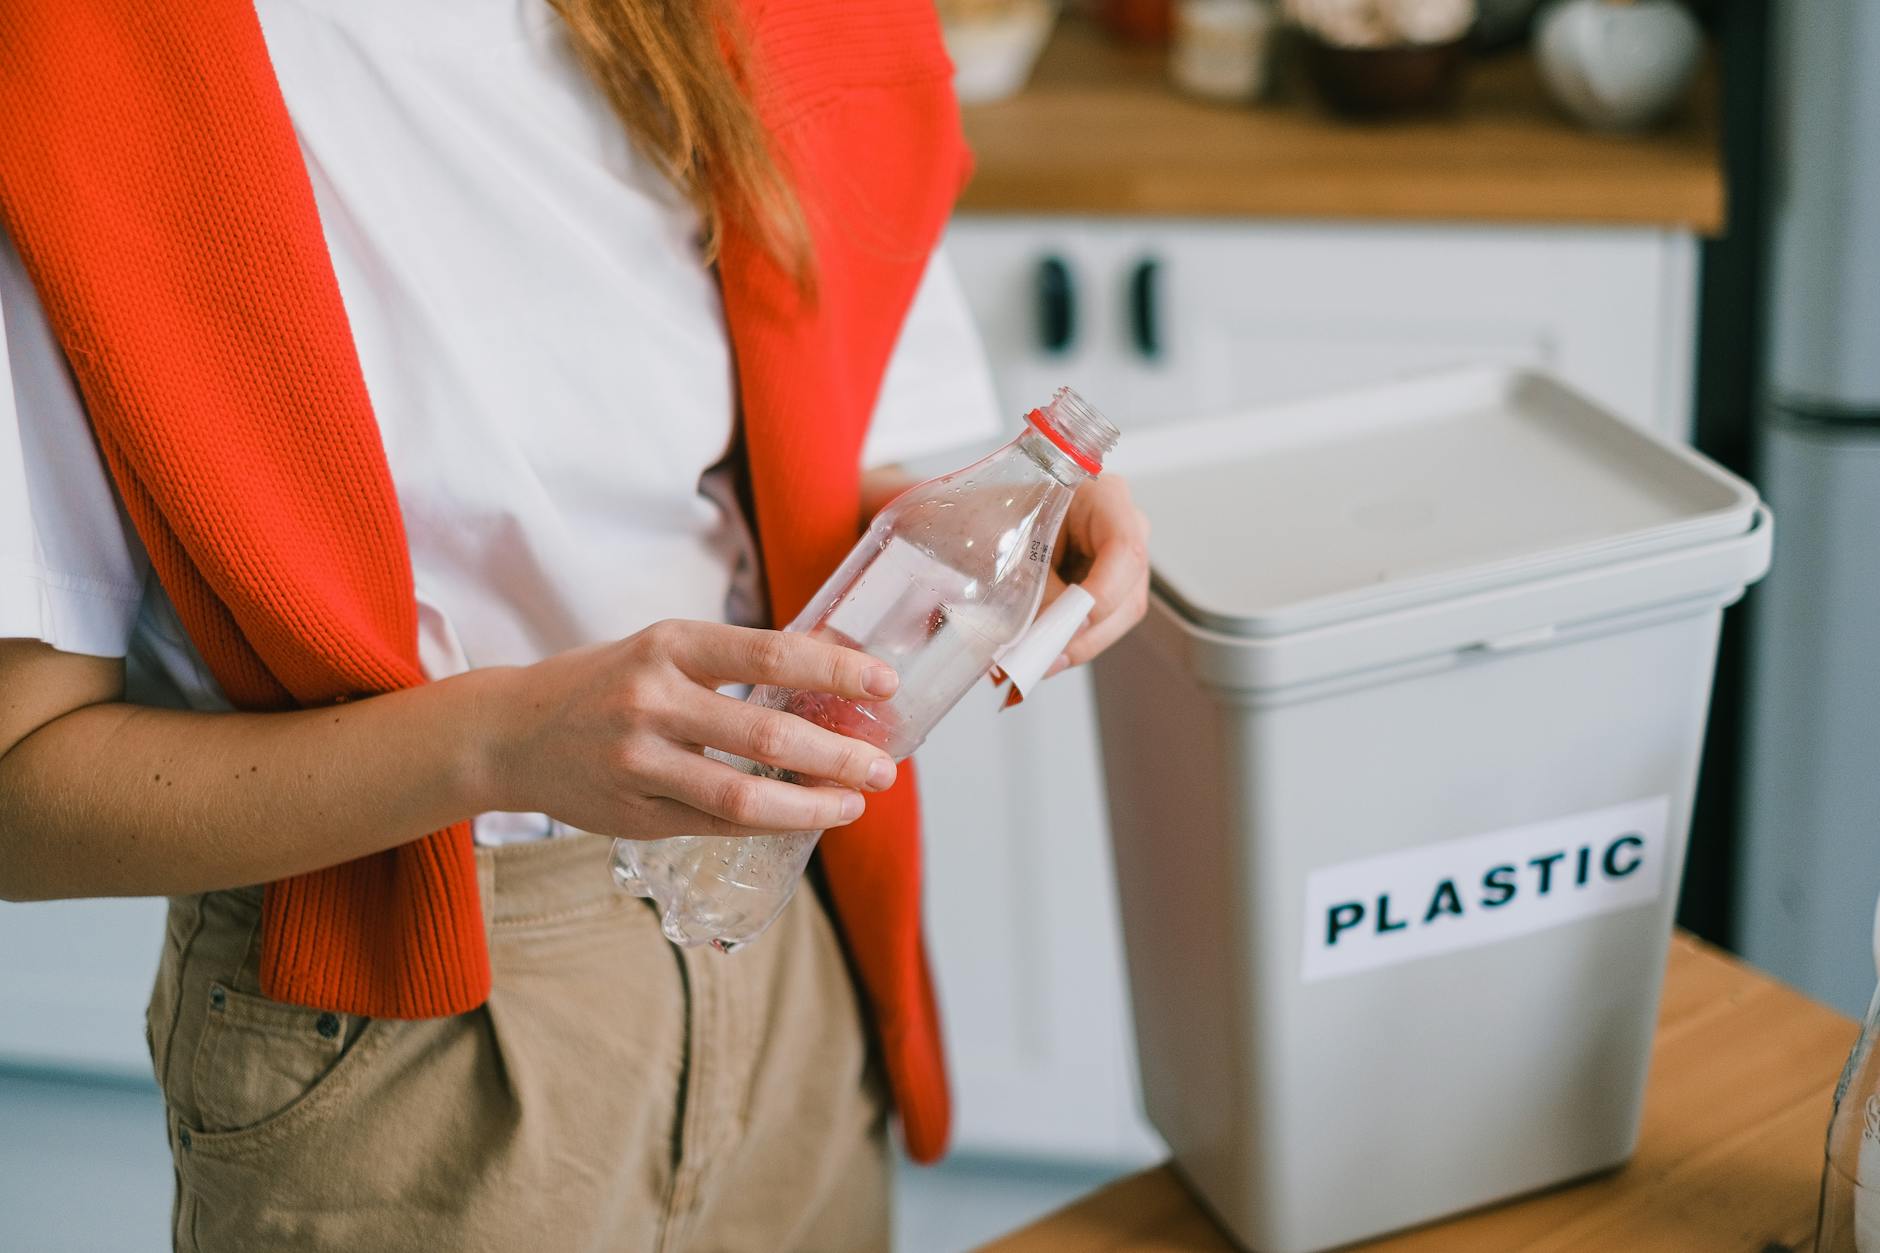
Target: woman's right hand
{"x": 611, "y": 738}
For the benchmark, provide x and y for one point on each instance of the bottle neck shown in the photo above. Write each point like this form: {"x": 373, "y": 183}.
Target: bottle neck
{"x": 1050, "y": 458}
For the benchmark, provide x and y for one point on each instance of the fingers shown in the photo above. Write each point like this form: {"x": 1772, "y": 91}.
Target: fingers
{"x": 715, "y": 654}
{"x": 751, "y": 804}
{"x": 1116, "y": 533}
{"x": 660, "y": 818}
{"x": 784, "y": 740}
{"x": 1054, "y": 585}
{"x": 1096, "y": 637}
{"x": 1117, "y": 536}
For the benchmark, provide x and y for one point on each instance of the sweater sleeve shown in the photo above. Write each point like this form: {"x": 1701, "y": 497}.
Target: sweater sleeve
{"x": 937, "y": 395}
{"x": 72, "y": 571}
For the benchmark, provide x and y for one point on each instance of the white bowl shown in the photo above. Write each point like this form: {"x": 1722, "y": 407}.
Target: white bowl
{"x": 993, "y": 54}
{"x": 1618, "y": 66}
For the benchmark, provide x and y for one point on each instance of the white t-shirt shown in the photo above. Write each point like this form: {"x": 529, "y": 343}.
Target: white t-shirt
{"x": 544, "y": 349}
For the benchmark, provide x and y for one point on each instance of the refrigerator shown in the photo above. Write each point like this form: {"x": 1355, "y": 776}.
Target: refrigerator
{"x": 1808, "y": 864}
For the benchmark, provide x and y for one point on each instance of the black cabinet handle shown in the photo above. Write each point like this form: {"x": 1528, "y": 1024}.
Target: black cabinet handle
{"x": 1144, "y": 324}
{"x": 1057, "y": 305}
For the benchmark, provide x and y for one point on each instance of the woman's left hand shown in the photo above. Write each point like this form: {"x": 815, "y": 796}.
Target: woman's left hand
{"x": 1105, "y": 547}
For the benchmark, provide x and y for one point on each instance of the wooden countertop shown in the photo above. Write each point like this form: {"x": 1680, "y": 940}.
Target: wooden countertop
{"x": 1100, "y": 131}
{"x": 1729, "y": 1161}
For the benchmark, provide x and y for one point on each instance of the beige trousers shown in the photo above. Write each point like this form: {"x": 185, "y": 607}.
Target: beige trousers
{"x": 616, "y": 1093}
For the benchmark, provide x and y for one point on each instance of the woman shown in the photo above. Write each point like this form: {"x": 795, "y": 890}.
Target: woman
{"x": 404, "y": 395}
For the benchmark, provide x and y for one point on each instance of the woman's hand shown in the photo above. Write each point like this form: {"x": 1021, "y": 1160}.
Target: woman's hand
{"x": 1105, "y": 547}
{"x": 610, "y": 738}
{"x": 101, "y": 798}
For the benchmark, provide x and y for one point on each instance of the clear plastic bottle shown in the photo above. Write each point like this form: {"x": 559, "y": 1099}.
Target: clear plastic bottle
{"x": 948, "y": 576}
{"x": 1849, "y": 1218}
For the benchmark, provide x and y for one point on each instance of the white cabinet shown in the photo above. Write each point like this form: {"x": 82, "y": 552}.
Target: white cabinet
{"x": 1023, "y": 930}
{"x": 1021, "y": 909}
{"x": 74, "y": 978}
{"x": 1250, "y": 314}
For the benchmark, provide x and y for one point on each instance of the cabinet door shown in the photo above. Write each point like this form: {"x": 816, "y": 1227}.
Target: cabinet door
{"x": 1022, "y": 924}
{"x": 1242, "y": 315}
{"x": 1021, "y": 897}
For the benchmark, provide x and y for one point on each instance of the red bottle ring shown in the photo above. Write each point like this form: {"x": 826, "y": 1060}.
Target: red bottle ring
{"x": 1043, "y": 425}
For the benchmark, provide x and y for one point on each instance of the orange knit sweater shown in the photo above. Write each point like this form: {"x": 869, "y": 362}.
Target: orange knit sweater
{"x": 150, "y": 178}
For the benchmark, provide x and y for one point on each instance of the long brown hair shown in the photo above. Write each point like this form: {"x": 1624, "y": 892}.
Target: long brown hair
{"x": 676, "y": 73}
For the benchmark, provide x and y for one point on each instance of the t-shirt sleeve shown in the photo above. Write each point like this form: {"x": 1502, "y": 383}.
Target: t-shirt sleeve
{"x": 71, "y": 569}
{"x": 937, "y": 394}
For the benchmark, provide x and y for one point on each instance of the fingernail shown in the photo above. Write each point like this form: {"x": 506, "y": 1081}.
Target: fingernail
{"x": 1059, "y": 666}
{"x": 851, "y": 807}
{"x": 881, "y": 774}
{"x": 880, "y": 681}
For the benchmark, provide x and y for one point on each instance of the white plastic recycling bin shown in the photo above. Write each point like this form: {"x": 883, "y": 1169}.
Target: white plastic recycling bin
{"x": 1400, "y": 769}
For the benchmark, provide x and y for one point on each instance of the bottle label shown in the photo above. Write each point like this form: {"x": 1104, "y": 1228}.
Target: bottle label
{"x": 1481, "y": 889}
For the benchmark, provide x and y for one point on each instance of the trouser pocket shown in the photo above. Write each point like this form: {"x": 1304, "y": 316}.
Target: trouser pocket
{"x": 258, "y": 1058}
{"x": 228, "y": 1058}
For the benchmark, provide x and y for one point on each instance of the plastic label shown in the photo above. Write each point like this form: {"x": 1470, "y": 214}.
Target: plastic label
{"x": 1481, "y": 889}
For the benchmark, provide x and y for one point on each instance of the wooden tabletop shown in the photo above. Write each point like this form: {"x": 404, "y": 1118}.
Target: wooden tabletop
{"x": 1100, "y": 131}
{"x": 1730, "y": 1158}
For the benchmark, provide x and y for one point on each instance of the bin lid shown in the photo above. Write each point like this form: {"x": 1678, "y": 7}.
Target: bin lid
{"x": 1275, "y": 521}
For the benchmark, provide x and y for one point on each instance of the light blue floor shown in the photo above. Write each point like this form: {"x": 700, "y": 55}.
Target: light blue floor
{"x": 83, "y": 1169}
{"x": 965, "y": 1202}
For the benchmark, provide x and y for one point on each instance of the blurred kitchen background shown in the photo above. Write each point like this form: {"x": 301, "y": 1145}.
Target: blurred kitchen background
{"x": 1192, "y": 208}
